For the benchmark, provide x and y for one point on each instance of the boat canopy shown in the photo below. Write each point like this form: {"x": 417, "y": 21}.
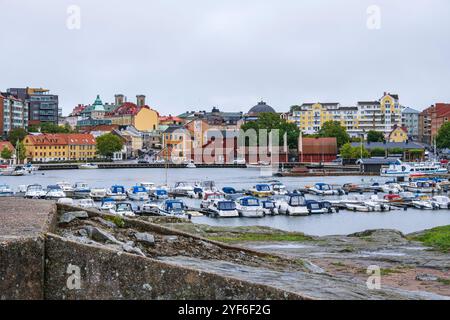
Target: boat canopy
{"x": 228, "y": 190}
{"x": 267, "y": 204}
{"x": 313, "y": 204}
{"x": 262, "y": 187}
{"x": 137, "y": 189}
{"x": 174, "y": 205}
{"x": 226, "y": 205}
{"x": 296, "y": 200}
{"x": 161, "y": 192}
{"x": 249, "y": 202}
{"x": 117, "y": 189}
{"x": 323, "y": 186}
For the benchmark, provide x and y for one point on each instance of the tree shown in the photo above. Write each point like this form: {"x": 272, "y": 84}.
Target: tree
{"x": 334, "y": 129}
{"x": 443, "y": 136}
{"x": 350, "y": 152}
{"x": 271, "y": 121}
{"x": 6, "y": 153}
{"x": 377, "y": 152}
{"x": 48, "y": 127}
{"x": 33, "y": 128}
{"x": 108, "y": 143}
{"x": 17, "y": 134}
{"x": 375, "y": 136}
{"x": 21, "y": 151}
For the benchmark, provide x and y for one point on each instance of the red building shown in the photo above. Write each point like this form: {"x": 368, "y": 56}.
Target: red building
{"x": 316, "y": 150}
{"x": 431, "y": 119}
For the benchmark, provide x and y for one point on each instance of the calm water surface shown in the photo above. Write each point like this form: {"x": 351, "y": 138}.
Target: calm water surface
{"x": 340, "y": 223}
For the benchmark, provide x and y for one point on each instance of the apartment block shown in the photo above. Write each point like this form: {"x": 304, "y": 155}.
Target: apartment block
{"x": 13, "y": 113}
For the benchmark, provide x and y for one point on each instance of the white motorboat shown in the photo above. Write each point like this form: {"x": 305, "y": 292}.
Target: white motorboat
{"x": 269, "y": 207}
{"x": 117, "y": 193}
{"x": 191, "y": 165}
{"x": 123, "y": 209}
{"x": 315, "y": 207}
{"x": 14, "y": 171}
{"x": 137, "y": 193}
{"x": 160, "y": 194}
{"x": 173, "y": 207}
{"x": 422, "y": 187}
{"x": 107, "y": 204}
{"x": 55, "y": 192}
{"x": 66, "y": 201}
{"x": 200, "y": 188}
{"x": 400, "y": 169}
{"x": 65, "y": 186}
{"x": 35, "y": 191}
{"x": 324, "y": 189}
{"x": 293, "y": 204}
{"x": 149, "y": 186}
{"x": 391, "y": 188}
{"x": 97, "y": 194}
{"x": 424, "y": 205}
{"x": 151, "y": 208}
{"x": 81, "y": 189}
{"x": 249, "y": 207}
{"x": 88, "y": 166}
{"x": 278, "y": 188}
{"x": 5, "y": 190}
{"x": 221, "y": 208}
{"x": 443, "y": 202}
{"x": 209, "y": 198}
{"x": 85, "y": 203}
{"x": 183, "y": 188}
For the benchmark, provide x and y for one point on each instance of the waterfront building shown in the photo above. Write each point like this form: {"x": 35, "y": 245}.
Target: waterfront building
{"x": 411, "y": 151}
{"x": 381, "y": 115}
{"x": 215, "y": 118}
{"x": 316, "y": 150}
{"x": 431, "y": 119}
{"x": 176, "y": 144}
{"x": 398, "y": 134}
{"x": 410, "y": 121}
{"x": 42, "y": 106}
{"x": 310, "y": 117}
{"x": 59, "y": 147}
{"x": 133, "y": 138}
{"x": 13, "y": 113}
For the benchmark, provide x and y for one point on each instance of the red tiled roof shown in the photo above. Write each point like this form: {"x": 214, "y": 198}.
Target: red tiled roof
{"x": 128, "y": 108}
{"x": 61, "y": 139}
{"x": 6, "y": 144}
{"x": 170, "y": 119}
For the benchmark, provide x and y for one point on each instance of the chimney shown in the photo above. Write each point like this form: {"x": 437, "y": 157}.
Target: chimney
{"x": 140, "y": 100}
{"x": 119, "y": 99}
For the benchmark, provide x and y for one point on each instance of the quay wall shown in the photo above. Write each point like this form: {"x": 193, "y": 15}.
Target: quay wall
{"x": 35, "y": 263}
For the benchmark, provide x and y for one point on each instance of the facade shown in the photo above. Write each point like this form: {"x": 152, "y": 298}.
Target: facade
{"x": 399, "y": 134}
{"x": 310, "y": 117}
{"x": 410, "y": 121}
{"x": 176, "y": 143}
{"x": 13, "y": 113}
{"x": 59, "y": 147}
{"x": 431, "y": 119}
{"x": 316, "y": 150}
{"x": 42, "y": 106}
{"x": 381, "y": 115}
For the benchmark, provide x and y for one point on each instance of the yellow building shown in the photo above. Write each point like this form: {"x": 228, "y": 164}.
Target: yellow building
{"x": 129, "y": 114}
{"x": 399, "y": 134}
{"x": 59, "y": 147}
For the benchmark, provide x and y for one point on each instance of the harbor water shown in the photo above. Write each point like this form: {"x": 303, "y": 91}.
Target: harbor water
{"x": 341, "y": 223}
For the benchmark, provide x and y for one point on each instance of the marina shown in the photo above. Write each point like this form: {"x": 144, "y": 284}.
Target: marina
{"x": 241, "y": 197}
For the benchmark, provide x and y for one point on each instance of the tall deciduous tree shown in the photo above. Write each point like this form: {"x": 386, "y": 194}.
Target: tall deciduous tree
{"x": 375, "y": 136}
{"x": 108, "y": 143}
{"x": 17, "y": 134}
{"x": 334, "y": 129}
{"x": 443, "y": 136}
{"x": 6, "y": 153}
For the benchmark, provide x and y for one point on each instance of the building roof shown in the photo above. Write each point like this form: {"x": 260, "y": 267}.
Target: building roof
{"x": 379, "y": 161}
{"x": 6, "y": 144}
{"x": 261, "y": 107}
{"x": 97, "y": 105}
{"x": 319, "y": 146}
{"x": 410, "y": 110}
{"x": 171, "y": 129}
{"x": 128, "y": 108}
{"x": 46, "y": 139}
{"x": 170, "y": 119}
{"x": 389, "y": 145}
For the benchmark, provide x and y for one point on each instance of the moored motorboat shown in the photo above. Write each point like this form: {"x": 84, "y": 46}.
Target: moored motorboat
{"x": 55, "y": 192}
{"x": 35, "y": 191}
{"x": 85, "y": 203}
{"x": 173, "y": 207}
{"x": 183, "y": 188}
{"x": 150, "y": 208}
{"x": 6, "y": 191}
{"x": 443, "y": 202}
{"x": 123, "y": 209}
{"x": 117, "y": 192}
{"x": 81, "y": 189}
{"x": 97, "y": 194}
{"x": 107, "y": 204}
{"x": 249, "y": 207}
{"x": 88, "y": 166}
{"x": 137, "y": 193}
{"x": 269, "y": 207}
{"x": 293, "y": 204}
{"x": 324, "y": 189}
{"x": 221, "y": 208}
{"x": 261, "y": 190}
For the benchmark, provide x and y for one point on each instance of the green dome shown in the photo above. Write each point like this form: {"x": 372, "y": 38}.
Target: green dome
{"x": 98, "y": 104}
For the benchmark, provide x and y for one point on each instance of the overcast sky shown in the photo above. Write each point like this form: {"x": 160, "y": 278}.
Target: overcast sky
{"x": 197, "y": 54}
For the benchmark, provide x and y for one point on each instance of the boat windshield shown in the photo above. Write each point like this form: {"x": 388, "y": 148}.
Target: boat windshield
{"x": 296, "y": 201}
{"x": 35, "y": 188}
{"x": 262, "y": 187}
{"x": 314, "y": 205}
{"x": 227, "y": 205}
{"x": 250, "y": 202}
{"x": 123, "y": 207}
{"x": 176, "y": 206}
{"x": 269, "y": 205}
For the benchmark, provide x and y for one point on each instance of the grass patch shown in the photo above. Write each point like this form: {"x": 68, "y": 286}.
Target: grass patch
{"x": 444, "y": 281}
{"x": 437, "y": 238}
{"x": 338, "y": 264}
{"x": 249, "y": 237}
{"x": 117, "y": 220}
{"x": 388, "y": 271}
